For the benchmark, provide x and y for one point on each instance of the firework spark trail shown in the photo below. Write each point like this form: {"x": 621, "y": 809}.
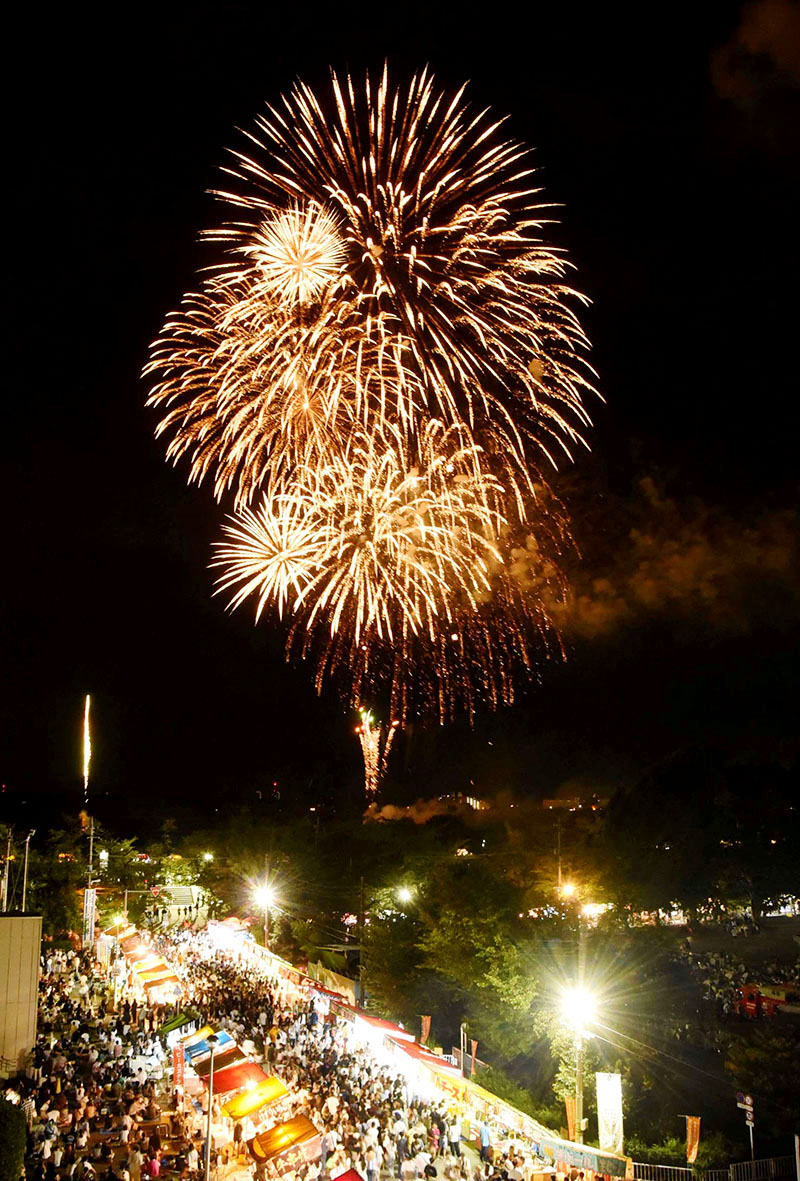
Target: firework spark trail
{"x": 87, "y": 749}
{"x": 385, "y": 361}
{"x": 376, "y": 742}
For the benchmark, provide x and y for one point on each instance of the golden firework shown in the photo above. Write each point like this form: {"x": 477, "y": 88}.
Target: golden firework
{"x": 382, "y": 541}
{"x": 388, "y": 356}
{"x": 297, "y": 252}
{"x": 376, "y": 742}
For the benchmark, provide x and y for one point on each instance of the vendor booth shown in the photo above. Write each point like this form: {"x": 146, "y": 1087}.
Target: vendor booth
{"x": 287, "y": 1145}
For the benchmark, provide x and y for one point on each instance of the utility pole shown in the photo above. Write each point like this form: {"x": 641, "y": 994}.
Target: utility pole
{"x": 360, "y": 936}
{"x": 212, "y": 1041}
{"x": 32, "y": 833}
{"x": 5, "y": 870}
{"x": 579, "y": 1039}
{"x": 558, "y": 851}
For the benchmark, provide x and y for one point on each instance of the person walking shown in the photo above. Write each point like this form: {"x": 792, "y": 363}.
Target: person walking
{"x": 454, "y": 1136}
{"x": 486, "y": 1140}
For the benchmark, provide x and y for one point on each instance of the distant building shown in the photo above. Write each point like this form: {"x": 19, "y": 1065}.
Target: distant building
{"x": 577, "y": 804}
{"x": 458, "y": 800}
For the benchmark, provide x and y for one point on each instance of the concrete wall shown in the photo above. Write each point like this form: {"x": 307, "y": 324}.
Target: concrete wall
{"x": 20, "y": 947}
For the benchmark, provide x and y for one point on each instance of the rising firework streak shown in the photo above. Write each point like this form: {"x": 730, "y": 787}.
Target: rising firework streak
{"x": 87, "y": 749}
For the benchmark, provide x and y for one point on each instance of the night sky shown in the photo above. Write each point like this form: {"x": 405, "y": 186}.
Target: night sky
{"x": 669, "y": 136}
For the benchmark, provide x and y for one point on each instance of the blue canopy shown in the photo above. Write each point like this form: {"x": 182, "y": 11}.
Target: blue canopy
{"x": 201, "y": 1048}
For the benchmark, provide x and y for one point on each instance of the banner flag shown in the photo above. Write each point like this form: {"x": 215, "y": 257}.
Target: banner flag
{"x": 425, "y": 1031}
{"x": 692, "y": 1137}
{"x": 474, "y": 1046}
{"x": 89, "y": 904}
{"x": 609, "y": 1111}
{"x": 177, "y": 1065}
{"x": 569, "y": 1103}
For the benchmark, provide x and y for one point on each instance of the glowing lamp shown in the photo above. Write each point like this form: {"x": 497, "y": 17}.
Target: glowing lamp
{"x": 578, "y": 1008}
{"x": 264, "y": 896}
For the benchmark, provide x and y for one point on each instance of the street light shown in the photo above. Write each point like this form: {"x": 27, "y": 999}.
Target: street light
{"x": 568, "y": 890}
{"x": 208, "y": 856}
{"x": 404, "y": 894}
{"x": 212, "y": 1040}
{"x": 579, "y": 1009}
{"x": 264, "y": 896}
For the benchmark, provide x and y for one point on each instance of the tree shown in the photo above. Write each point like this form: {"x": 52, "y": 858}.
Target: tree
{"x": 763, "y": 1061}
{"x": 704, "y": 826}
{"x": 12, "y": 1141}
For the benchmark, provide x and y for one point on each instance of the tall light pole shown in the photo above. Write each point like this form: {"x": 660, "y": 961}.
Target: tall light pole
{"x": 32, "y": 833}
{"x": 578, "y": 1008}
{"x": 5, "y": 868}
{"x": 264, "y": 896}
{"x": 212, "y": 1040}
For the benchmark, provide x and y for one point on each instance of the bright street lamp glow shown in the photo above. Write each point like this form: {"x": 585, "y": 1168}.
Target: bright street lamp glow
{"x": 578, "y": 1008}
{"x": 404, "y": 894}
{"x": 264, "y": 896}
{"x": 208, "y": 856}
{"x": 568, "y": 889}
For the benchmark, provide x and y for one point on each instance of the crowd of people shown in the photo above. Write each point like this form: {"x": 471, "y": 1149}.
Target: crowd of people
{"x": 100, "y": 1105}
{"x": 367, "y": 1119}
{"x": 89, "y": 1092}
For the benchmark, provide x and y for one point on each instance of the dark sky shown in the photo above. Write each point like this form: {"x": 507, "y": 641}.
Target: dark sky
{"x": 669, "y": 136}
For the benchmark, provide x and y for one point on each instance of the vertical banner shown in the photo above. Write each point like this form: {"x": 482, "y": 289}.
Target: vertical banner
{"x": 692, "y": 1137}
{"x": 474, "y": 1047}
{"x": 609, "y": 1111}
{"x": 425, "y": 1030}
{"x": 569, "y": 1103}
{"x": 177, "y": 1065}
{"x": 89, "y": 902}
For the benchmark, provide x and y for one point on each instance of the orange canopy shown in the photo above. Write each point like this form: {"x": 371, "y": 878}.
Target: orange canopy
{"x": 252, "y": 1099}
{"x": 296, "y": 1137}
{"x": 155, "y": 973}
{"x": 151, "y": 963}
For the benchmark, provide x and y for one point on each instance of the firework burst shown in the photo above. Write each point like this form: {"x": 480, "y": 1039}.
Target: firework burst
{"x": 387, "y": 357}
{"x": 379, "y": 543}
{"x": 298, "y": 253}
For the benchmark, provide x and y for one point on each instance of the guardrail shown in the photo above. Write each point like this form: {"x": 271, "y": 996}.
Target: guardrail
{"x": 770, "y": 1169}
{"x": 645, "y": 1172}
{"x": 773, "y": 1168}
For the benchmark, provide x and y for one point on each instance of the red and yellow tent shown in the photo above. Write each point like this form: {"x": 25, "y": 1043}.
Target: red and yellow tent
{"x": 287, "y": 1144}
{"x": 252, "y": 1099}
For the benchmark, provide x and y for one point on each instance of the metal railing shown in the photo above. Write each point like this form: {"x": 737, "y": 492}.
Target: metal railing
{"x": 770, "y": 1169}
{"x": 773, "y": 1168}
{"x": 645, "y": 1172}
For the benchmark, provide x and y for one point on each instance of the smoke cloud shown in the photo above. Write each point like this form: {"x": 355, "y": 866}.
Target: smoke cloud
{"x": 687, "y": 561}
